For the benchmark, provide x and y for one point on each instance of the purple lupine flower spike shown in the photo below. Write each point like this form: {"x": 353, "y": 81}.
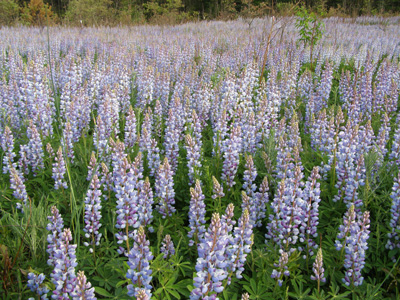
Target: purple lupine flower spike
{"x": 67, "y": 141}
{"x": 35, "y": 284}
{"x": 63, "y": 276}
{"x": 394, "y": 240}
{"x": 59, "y": 171}
{"x": 146, "y": 201}
{"x": 318, "y": 268}
{"x": 139, "y": 271}
{"x": 282, "y": 268}
{"x": 218, "y": 191}
{"x": 34, "y": 149}
{"x": 7, "y": 144}
{"x": 141, "y": 295}
{"x": 261, "y": 200}
{"x": 245, "y": 296}
{"x": 355, "y": 234}
{"x": 231, "y": 148}
{"x": 193, "y": 157}
{"x": 50, "y": 150}
{"x": 249, "y": 176}
{"x": 197, "y": 212}
{"x": 211, "y": 263}
{"x": 165, "y": 189}
{"x": 167, "y": 247}
{"x": 130, "y": 128}
{"x": 56, "y": 227}
{"x": 93, "y": 214}
{"x": 83, "y": 289}
{"x": 17, "y": 184}
{"x": 310, "y": 205}
{"x": 241, "y": 244}
{"x": 92, "y": 167}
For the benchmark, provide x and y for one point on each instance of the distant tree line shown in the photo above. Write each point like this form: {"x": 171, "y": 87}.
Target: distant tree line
{"x": 111, "y": 12}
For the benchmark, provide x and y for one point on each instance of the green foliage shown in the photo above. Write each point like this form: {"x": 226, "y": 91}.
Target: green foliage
{"x": 90, "y": 12}
{"x": 9, "y": 10}
{"x": 310, "y": 29}
{"x": 310, "y": 26}
{"x": 37, "y": 13}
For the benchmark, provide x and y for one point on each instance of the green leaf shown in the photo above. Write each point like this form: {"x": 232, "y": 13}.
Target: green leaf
{"x": 122, "y": 282}
{"x": 174, "y": 293}
{"x": 102, "y": 292}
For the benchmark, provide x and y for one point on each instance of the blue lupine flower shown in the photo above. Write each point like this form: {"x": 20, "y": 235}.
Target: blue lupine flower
{"x": 197, "y": 212}
{"x": 139, "y": 271}
{"x": 35, "y": 284}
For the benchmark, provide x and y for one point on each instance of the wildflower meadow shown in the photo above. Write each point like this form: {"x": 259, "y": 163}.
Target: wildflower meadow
{"x": 210, "y": 160}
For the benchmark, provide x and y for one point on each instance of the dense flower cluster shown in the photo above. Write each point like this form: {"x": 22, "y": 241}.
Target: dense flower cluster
{"x": 197, "y": 212}
{"x": 167, "y": 247}
{"x": 165, "y": 189}
{"x": 59, "y": 171}
{"x": 394, "y": 237}
{"x": 354, "y": 232}
{"x": 35, "y": 284}
{"x": 139, "y": 271}
{"x": 93, "y": 213}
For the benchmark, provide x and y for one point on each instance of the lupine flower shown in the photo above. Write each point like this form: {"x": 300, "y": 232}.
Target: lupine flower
{"x": 346, "y": 158}
{"x": 394, "y": 239}
{"x": 395, "y": 151}
{"x": 139, "y": 271}
{"x": 282, "y": 268}
{"x": 83, "y": 289}
{"x": 167, "y": 247}
{"x": 106, "y": 179}
{"x": 34, "y": 149}
{"x": 211, "y": 264}
{"x": 220, "y": 132}
{"x": 308, "y": 227}
{"x": 218, "y": 191}
{"x": 261, "y": 202}
{"x": 197, "y": 212}
{"x": 59, "y": 171}
{"x": 56, "y": 227}
{"x": 63, "y": 276}
{"x": 50, "y": 150}
{"x": 92, "y": 167}
{"x": 318, "y": 268}
{"x": 7, "y": 144}
{"x": 284, "y": 224}
{"x": 153, "y": 157}
{"x": 145, "y": 207}
{"x": 17, "y": 184}
{"x": 67, "y": 141}
{"x": 130, "y": 128}
{"x": 127, "y": 204}
{"x": 171, "y": 139}
{"x": 35, "y": 284}
{"x": 249, "y": 176}
{"x": 141, "y": 295}
{"x": 245, "y": 296}
{"x": 249, "y": 134}
{"x": 145, "y": 136}
{"x": 355, "y": 234}
{"x": 165, "y": 189}
{"x": 193, "y": 157}
{"x": 240, "y": 245}
{"x": 93, "y": 213}
{"x": 231, "y": 148}
{"x": 354, "y": 180}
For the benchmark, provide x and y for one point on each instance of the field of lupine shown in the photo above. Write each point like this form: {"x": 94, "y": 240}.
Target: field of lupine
{"x": 168, "y": 163}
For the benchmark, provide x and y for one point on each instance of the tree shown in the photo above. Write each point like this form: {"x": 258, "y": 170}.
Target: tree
{"x": 37, "y": 13}
{"x": 9, "y": 10}
{"x": 90, "y": 12}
